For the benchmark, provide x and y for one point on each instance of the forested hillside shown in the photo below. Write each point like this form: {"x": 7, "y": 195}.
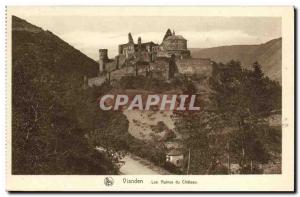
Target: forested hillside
{"x": 51, "y": 113}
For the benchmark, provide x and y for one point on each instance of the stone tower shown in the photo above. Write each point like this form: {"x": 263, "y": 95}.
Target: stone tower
{"x": 130, "y": 39}
{"x": 139, "y": 49}
{"x": 139, "y": 42}
{"x": 103, "y": 58}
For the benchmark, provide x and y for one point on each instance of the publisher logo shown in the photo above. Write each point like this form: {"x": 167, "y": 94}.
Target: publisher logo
{"x": 108, "y": 181}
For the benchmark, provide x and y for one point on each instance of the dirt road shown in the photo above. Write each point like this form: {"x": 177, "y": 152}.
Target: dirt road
{"x": 135, "y": 165}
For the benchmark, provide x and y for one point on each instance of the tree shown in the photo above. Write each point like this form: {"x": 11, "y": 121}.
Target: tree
{"x": 202, "y": 135}
{"x": 243, "y": 99}
{"x": 51, "y": 116}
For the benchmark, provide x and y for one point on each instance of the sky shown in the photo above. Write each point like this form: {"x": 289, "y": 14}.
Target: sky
{"x": 90, "y": 33}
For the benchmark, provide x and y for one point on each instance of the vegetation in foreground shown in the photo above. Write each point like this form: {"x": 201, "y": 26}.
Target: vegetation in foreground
{"x": 234, "y": 128}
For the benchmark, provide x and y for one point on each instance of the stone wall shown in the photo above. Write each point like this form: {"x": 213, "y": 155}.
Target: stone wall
{"x": 195, "y": 66}
{"x": 127, "y": 49}
{"x": 175, "y": 44}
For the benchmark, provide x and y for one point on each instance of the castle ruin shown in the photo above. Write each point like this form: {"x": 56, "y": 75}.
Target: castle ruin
{"x": 172, "y": 44}
{"x": 160, "y": 60}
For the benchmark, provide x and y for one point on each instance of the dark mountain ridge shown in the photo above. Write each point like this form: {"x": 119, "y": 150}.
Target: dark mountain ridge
{"x": 48, "y": 50}
{"x": 267, "y": 54}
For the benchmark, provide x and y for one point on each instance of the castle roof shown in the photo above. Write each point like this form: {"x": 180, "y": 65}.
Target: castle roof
{"x": 175, "y": 37}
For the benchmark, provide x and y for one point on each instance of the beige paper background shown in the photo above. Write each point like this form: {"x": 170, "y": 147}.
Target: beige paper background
{"x": 281, "y": 182}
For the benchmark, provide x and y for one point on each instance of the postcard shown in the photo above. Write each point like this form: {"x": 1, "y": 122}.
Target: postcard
{"x": 146, "y": 99}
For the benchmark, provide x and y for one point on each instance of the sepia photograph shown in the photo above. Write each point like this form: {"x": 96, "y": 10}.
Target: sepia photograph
{"x": 97, "y": 93}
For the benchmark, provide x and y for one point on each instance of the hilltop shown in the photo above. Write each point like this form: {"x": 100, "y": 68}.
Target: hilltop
{"x": 33, "y": 45}
{"x": 267, "y": 54}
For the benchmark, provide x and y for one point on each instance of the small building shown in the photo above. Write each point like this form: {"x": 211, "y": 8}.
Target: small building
{"x": 175, "y": 157}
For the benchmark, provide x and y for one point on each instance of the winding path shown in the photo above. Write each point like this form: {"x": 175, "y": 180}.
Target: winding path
{"x": 135, "y": 165}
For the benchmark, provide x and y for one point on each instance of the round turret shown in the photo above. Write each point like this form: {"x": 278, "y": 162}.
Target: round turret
{"x": 102, "y": 60}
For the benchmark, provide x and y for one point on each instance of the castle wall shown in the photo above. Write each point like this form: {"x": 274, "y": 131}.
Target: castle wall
{"x": 178, "y": 54}
{"x": 121, "y": 59}
{"x": 127, "y": 50}
{"x": 145, "y": 56}
{"x": 175, "y": 44}
{"x": 160, "y": 69}
{"x": 195, "y": 66}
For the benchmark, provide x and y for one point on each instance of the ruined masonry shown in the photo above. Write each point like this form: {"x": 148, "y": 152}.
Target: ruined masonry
{"x": 161, "y": 60}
